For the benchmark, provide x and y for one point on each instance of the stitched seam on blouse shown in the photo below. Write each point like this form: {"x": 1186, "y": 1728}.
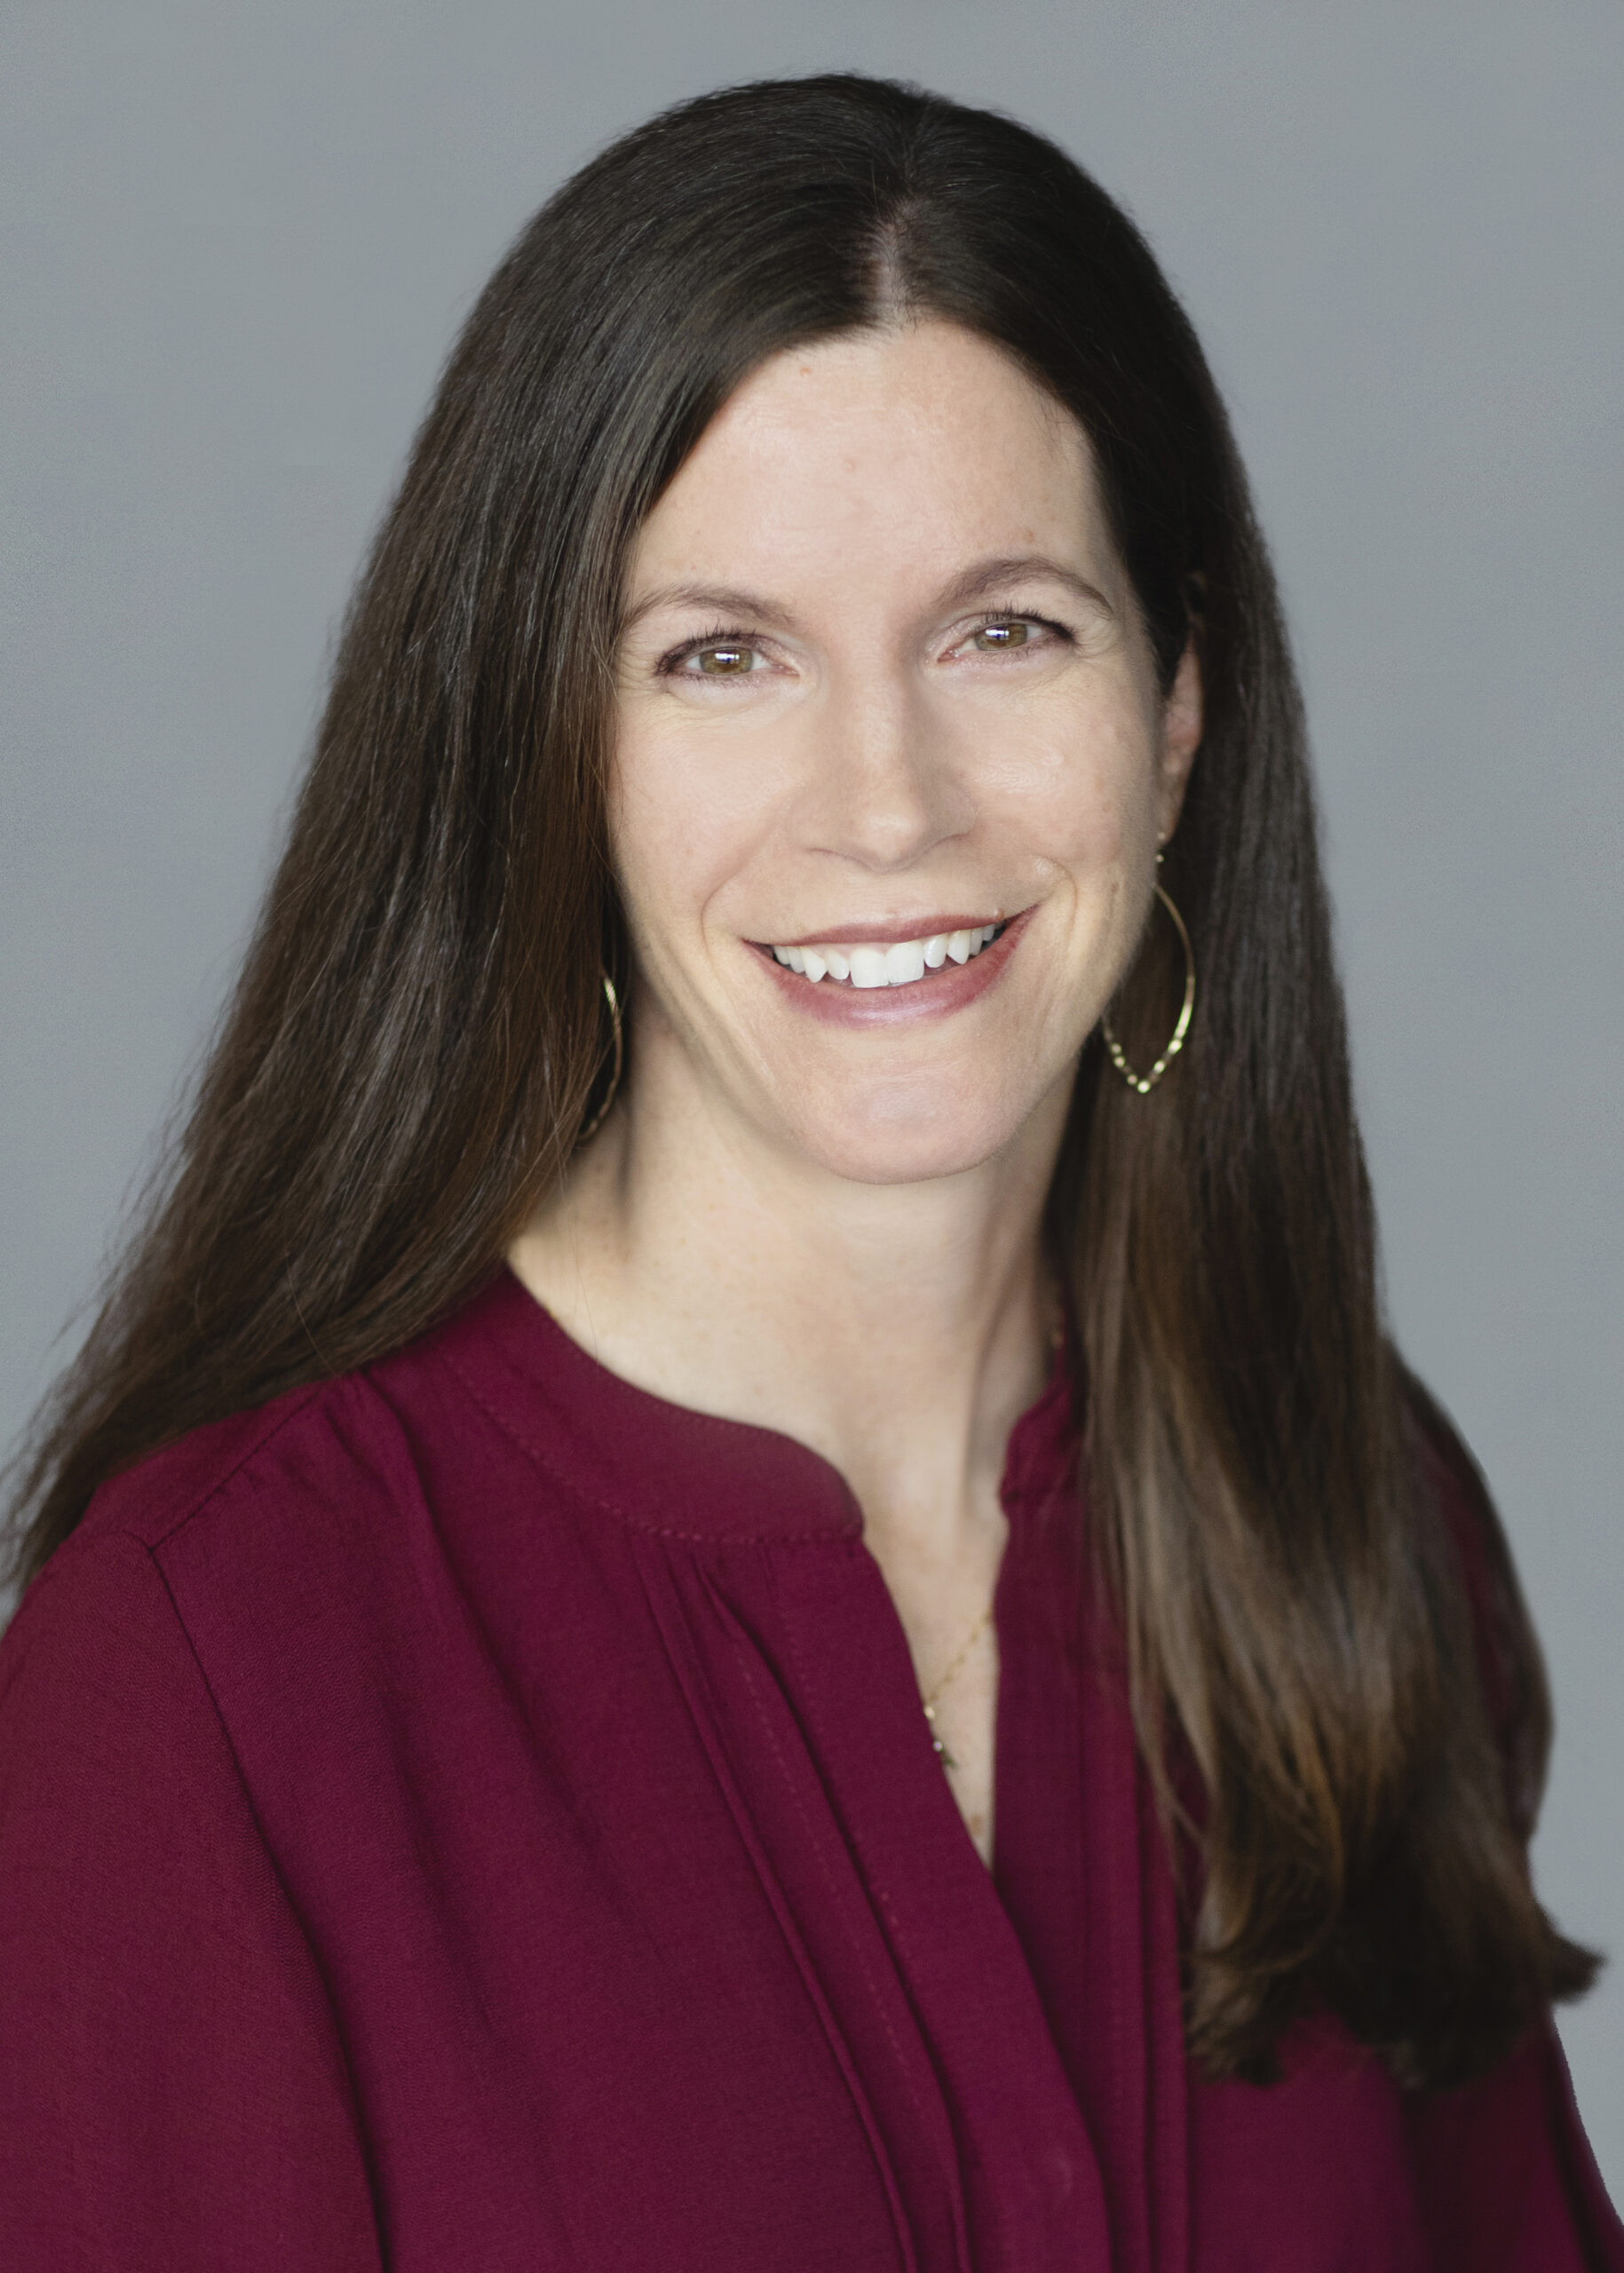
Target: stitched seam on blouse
{"x": 253, "y": 1452}
{"x": 779, "y": 1903}
{"x": 899, "y": 1939}
{"x": 363, "y": 2145}
{"x": 818, "y": 1846}
{"x": 637, "y": 1523}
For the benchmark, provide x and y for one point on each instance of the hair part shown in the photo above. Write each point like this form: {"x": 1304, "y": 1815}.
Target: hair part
{"x": 417, "y": 1036}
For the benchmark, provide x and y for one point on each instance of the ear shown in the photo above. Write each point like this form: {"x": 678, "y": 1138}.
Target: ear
{"x": 1181, "y": 738}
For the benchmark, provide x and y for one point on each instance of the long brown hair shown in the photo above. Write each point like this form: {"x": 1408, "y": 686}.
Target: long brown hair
{"x": 417, "y": 1036}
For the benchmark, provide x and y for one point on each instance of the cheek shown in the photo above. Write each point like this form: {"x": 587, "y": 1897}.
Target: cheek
{"x": 1081, "y": 796}
{"x": 684, "y": 821}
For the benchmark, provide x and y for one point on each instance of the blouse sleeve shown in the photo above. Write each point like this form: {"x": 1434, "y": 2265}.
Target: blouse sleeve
{"x": 1505, "y": 2174}
{"x": 173, "y": 2096}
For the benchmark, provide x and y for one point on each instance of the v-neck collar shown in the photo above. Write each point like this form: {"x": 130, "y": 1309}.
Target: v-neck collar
{"x": 609, "y": 1441}
{"x": 1047, "y": 1991}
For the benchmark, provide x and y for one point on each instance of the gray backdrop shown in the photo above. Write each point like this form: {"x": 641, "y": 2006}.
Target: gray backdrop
{"x": 236, "y": 240}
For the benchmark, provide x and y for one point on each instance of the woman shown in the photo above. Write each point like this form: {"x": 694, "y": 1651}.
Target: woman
{"x": 760, "y": 1592}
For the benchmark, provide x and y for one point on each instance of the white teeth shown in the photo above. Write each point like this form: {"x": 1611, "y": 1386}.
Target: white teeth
{"x": 868, "y": 967}
{"x": 894, "y": 966}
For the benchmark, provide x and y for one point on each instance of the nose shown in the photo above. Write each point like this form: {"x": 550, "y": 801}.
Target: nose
{"x": 882, "y": 788}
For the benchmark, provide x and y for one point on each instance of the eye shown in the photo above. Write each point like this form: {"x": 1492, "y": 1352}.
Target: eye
{"x": 1011, "y": 635}
{"x": 716, "y": 654}
{"x": 724, "y": 659}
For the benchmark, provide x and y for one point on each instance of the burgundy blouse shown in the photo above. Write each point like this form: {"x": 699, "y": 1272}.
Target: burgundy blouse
{"x": 474, "y": 1814}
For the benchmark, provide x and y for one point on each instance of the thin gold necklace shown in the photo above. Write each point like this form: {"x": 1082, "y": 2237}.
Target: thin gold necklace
{"x": 952, "y": 1674}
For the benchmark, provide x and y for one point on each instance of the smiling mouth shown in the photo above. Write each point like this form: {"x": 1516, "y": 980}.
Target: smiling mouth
{"x": 900, "y": 963}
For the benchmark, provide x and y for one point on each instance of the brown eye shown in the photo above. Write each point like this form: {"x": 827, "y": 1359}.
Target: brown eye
{"x": 993, "y": 637}
{"x": 724, "y": 661}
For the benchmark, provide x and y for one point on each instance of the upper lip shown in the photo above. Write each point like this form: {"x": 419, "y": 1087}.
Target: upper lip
{"x": 890, "y": 932}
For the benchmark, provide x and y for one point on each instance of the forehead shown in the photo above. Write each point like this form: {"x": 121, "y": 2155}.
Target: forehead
{"x": 902, "y": 446}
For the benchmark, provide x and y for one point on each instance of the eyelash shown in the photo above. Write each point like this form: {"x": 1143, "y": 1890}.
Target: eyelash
{"x": 721, "y": 636}
{"x": 670, "y": 666}
{"x": 1023, "y": 615}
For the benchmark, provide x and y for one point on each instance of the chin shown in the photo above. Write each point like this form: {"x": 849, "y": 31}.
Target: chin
{"x": 881, "y": 1141}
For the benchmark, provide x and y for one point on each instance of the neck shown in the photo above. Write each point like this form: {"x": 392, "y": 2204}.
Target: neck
{"x": 899, "y": 1330}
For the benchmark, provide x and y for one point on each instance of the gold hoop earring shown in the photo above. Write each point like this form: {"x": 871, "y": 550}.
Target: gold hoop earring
{"x": 1143, "y": 1083}
{"x": 596, "y": 1122}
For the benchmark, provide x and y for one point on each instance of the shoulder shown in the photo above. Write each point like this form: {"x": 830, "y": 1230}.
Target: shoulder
{"x": 268, "y": 1469}
{"x": 157, "y": 1979}
{"x": 112, "y": 1758}
{"x": 313, "y": 1445}
{"x": 234, "y": 1519}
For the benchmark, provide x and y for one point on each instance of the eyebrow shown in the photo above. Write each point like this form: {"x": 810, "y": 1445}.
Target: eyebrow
{"x": 1014, "y": 568}
{"x": 717, "y": 599}
{"x": 984, "y": 577}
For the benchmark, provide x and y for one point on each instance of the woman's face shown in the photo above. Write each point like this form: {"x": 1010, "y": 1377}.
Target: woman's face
{"x": 884, "y": 690}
